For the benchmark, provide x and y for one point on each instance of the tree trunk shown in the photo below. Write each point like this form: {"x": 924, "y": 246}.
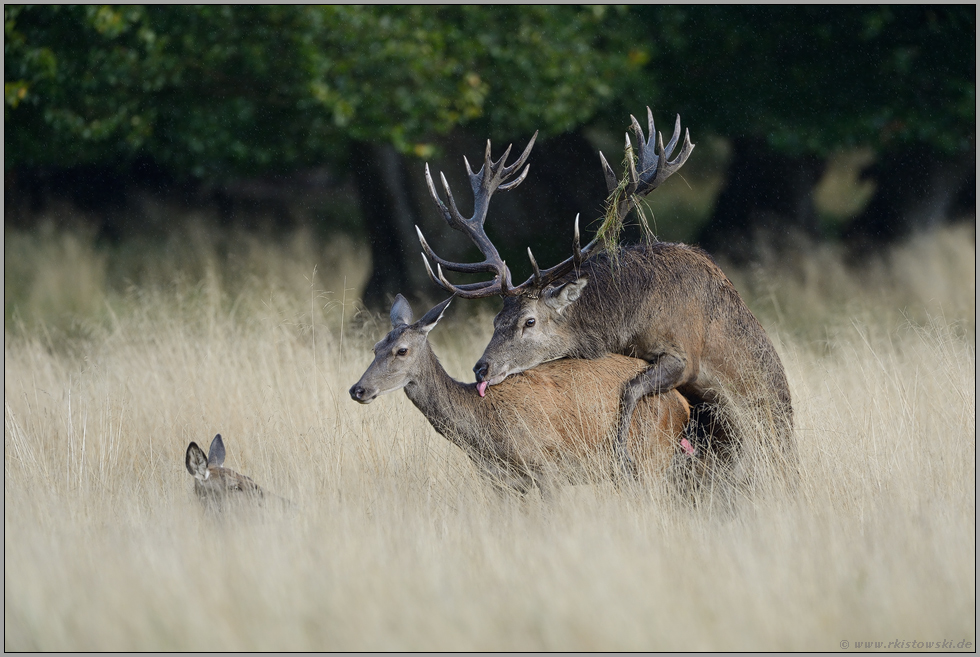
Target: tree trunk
{"x": 390, "y": 213}
{"x": 917, "y": 189}
{"x": 766, "y": 204}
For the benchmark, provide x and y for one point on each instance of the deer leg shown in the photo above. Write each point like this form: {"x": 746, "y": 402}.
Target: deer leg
{"x": 663, "y": 374}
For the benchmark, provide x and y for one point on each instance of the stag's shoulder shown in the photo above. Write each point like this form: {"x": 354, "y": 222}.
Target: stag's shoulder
{"x": 660, "y": 259}
{"x": 674, "y": 251}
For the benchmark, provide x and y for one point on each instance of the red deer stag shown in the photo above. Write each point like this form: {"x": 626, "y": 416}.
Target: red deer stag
{"x": 550, "y": 424}
{"x": 668, "y": 304}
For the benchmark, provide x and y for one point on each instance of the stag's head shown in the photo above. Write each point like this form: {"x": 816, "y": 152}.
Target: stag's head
{"x": 532, "y": 328}
{"x": 397, "y": 356}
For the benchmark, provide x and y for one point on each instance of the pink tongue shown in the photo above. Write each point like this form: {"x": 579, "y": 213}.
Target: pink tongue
{"x": 481, "y": 388}
{"x": 687, "y": 446}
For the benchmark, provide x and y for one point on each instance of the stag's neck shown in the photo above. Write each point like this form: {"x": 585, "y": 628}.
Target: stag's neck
{"x": 450, "y": 406}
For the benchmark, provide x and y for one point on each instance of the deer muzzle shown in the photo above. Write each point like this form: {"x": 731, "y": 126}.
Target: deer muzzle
{"x": 483, "y": 374}
{"x": 361, "y": 394}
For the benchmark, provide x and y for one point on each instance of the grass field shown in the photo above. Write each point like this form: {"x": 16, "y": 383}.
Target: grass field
{"x": 114, "y": 362}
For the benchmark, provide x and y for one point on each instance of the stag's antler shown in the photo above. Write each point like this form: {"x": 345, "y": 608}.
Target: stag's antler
{"x": 491, "y": 177}
{"x": 654, "y": 169}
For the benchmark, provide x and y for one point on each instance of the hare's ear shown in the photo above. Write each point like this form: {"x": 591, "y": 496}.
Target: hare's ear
{"x": 216, "y": 455}
{"x": 196, "y": 461}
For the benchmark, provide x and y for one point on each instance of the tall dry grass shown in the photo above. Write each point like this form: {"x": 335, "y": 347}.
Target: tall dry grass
{"x": 112, "y": 365}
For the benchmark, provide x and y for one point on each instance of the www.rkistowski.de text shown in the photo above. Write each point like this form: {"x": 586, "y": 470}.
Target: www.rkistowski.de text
{"x": 908, "y": 644}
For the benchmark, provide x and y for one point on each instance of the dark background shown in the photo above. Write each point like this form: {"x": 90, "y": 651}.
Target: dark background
{"x": 269, "y": 117}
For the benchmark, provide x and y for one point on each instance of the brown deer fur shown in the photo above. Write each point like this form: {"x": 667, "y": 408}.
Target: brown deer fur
{"x": 673, "y": 307}
{"x": 549, "y": 424}
{"x": 215, "y": 485}
{"x": 667, "y": 304}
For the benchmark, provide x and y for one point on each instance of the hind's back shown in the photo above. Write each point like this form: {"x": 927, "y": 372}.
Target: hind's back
{"x": 572, "y": 405}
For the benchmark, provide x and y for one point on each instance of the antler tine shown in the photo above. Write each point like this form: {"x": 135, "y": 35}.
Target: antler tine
{"x": 428, "y": 269}
{"x": 534, "y": 265}
{"x": 491, "y": 177}
{"x": 500, "y": 166}
{"x": 612, "y": 182}
{"x": 686, "y": 148}
{"x": 466, "y": 290}
{"x": 661, "y": 172}
{"x": 638, "y": 131}
{"x": 666, "y": 169}
{"x": 634, "y": 179}
{"x": 457, "y": 219}
{"x": 654, "y": 166}
{"x": 516, "y": 181}
{"x": 486, "y": 155}
{"x": 469, "y": 169}
{"x": 462, "y": 267}
{"x": 435, "y": 195}
{"x": 521, "y": 160}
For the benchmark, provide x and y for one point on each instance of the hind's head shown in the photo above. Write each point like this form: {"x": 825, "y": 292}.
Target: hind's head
{"x": 398, "y": 356}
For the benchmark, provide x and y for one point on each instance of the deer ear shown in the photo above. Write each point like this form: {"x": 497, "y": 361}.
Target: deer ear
{"x": 401, "y": 312}
{"x": 195, "y": 461}
{"x": 559, "y": 298}
{"x": 431, "y": 318}
{"x": 216, "y": 455}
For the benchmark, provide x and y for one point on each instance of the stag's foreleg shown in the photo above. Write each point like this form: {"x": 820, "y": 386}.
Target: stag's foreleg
{"x": 663, "y": 375}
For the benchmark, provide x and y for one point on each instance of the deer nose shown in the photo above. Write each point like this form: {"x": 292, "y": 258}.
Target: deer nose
{"x": 480, "y": 369}
{"x": 357, "y": 392}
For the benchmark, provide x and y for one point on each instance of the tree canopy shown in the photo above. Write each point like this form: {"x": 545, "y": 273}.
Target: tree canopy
{"x": 219, "y": 90}
{"x": 813, "y": 78}
{"x": 212, "y": 90}
{"x": 216, "y": 92}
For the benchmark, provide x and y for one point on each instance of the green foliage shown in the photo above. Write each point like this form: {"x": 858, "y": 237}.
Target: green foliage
{"x": 552, "y": 68}
{"x": 203, "y": 90}
{"x": 814, "y": 78}
{"x": 223, "y": 90}
{"x": 217, "y": 90}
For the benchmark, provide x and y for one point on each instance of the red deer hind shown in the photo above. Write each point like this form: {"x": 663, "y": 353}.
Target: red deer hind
{"x": 665, "y": 303}
{"x": 549, "y": 425}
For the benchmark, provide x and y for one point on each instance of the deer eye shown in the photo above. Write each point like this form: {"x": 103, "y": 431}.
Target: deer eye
{"x": 402, "y": 351}
{"x": 529, "y": 323}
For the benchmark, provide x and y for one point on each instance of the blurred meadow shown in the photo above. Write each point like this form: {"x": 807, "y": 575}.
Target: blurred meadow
{"x": 209, "y": 209}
